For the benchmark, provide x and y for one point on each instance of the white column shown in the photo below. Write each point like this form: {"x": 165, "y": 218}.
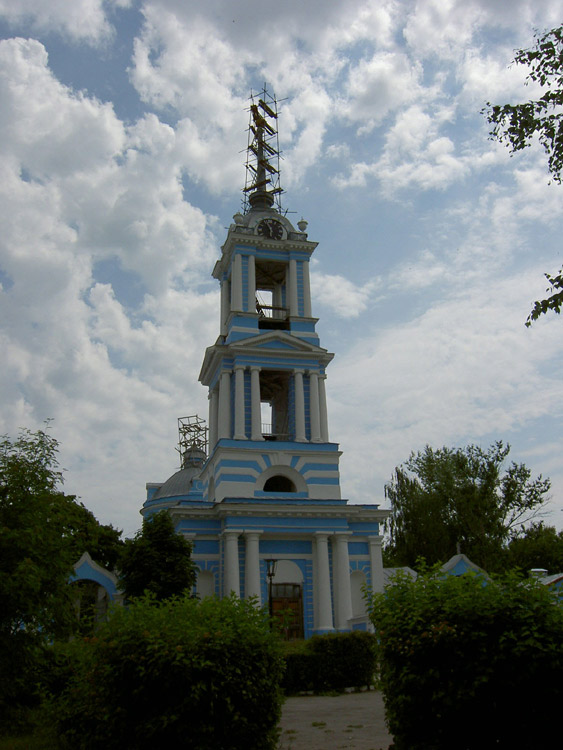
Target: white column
{"x": 224, "y": 306}
{"x": 236, "y": 283}
{"x": 299, "y": 408}
{"x": 240, "y": 433}
{"x": 323, "y": 609}
{"x": 277, "y": 300}
{"x": 224, "y": 411}
{"x": 376, "y": 560}
{"x": 231, "y": 577}
{"x": 314, "y": 408}
{"x": 252, "y": 566}
{"x": 306, "y": 291}
{"x": 341, "y": 577}
{"x": 251, "y": 283}
{"x": 213, "y": 409}
{"x": 256, "y": 412}
{"x": 323, "y": 409}
{"x": 292, "y": 291}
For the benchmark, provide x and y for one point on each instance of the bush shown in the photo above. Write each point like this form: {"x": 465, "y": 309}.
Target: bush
{"x": 469, "y": 663}
{"x": 331, "y": 662}
{"x": 181, "y": 673}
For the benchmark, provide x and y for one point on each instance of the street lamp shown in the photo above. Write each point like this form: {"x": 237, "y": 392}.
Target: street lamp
{"x": 271, "y": 566}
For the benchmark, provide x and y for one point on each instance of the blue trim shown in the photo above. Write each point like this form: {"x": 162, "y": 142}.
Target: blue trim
{"x": 323, "y": 480}
{"x": 205, "y": 546}
{"x": 318, "y": 467}
{"x": 286, "y": 546}
{"x": 234, "y": 478}
{"x": 285, "y": 501}
{"x": 87, "y": 573}
{"x": 358, "y": 548}
{"x": 281, "y": 445}
{"x": 280, "y": 495}
{"x": 238, "y": 464}
{"x": 304, "y": 326}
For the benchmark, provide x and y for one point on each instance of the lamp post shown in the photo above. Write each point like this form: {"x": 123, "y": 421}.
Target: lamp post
{"x": 271, "y": 566}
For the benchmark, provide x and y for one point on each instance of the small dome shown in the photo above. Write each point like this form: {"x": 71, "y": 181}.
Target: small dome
{"x": 179, "y": 483}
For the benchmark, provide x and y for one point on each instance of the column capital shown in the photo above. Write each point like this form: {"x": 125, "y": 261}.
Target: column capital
{"x": 231, "y": 532}
{"x": 341, "y": 535}
{"x": 253, "y": 533}
{"x": 375, "y": 540}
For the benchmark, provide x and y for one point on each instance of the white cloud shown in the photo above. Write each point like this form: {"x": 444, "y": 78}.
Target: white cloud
{"x": 340, "y": 295}
{"x": 463, "y": 368}
{"x": 84, "y": 20}
{"x": 79, "y": 187}
{"x": 380, "y": 85}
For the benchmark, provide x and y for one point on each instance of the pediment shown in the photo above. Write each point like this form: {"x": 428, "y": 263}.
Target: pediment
{"x": 277, "y": 343}
{"x": 276, "y": 340}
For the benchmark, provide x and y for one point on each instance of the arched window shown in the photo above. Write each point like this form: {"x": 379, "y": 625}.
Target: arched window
{"x": 279, "y": 483}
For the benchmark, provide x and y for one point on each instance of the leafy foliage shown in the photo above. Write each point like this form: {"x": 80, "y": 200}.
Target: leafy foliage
{"x": 553, "y": 302}
{"x": 42, "y": 533}
{"x": 450, "y": 497}
{"x": 518, "y": 125}
{"x": 178, "y": 673}
{"x": 464, "y": 662}
{"x": 331, "y": 662}
{"x": 157, "y": 560}
{"x": 538, "y": 546}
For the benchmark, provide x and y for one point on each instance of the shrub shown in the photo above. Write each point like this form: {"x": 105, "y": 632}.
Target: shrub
{"x": 181, "y": 673}
{"x": 469, "y": 663}
{"x": 330, "y": 662}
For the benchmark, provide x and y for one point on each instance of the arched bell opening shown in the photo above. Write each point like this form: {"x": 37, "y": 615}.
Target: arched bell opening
{"x": 281, "y": 479}
{"x": 279, "y": 483}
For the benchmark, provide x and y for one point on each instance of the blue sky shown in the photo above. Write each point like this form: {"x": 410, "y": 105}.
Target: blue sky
{"x": 122, "y": 125}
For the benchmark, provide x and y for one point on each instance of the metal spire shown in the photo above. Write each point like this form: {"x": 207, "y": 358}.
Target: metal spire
{"x": 262, "y": 185}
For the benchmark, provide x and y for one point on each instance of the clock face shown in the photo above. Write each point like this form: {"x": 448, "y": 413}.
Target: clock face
{"x": 270, "y": 228}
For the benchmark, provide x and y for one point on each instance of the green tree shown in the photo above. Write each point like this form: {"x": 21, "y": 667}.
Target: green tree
{"x": 459, "y": 498}
{"x": 538, "y": 546}
{"x": 86, "y": 534}
{"x": 43, "y": 532}
{"x": 157, "y": 560}
{"x": 519, "y": 125}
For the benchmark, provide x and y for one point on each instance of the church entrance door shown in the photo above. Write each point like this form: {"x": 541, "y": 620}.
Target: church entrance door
{"x": 287, "y": 607}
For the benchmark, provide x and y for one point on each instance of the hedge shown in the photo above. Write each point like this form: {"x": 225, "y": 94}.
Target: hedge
{"x": 469, "y": 663}
{"x": 177, "y": 674}
{"x": 331, "y": 662}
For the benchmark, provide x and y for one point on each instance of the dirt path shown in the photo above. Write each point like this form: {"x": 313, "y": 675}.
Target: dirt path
{"x": 352, "y": 721}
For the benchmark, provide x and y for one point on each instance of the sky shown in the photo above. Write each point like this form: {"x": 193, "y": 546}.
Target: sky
{"x": 122, "y": 136}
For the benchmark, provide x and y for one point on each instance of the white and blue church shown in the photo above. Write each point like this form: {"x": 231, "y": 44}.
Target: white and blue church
{"x": 258, "y": 490}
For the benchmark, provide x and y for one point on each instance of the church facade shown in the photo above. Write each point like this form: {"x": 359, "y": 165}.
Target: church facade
{"x": 259, "y": 487}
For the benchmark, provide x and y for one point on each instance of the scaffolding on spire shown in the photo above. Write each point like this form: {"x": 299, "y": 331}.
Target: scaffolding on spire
{"x": 262, "y": 184}
{"x": 192, "y": 440}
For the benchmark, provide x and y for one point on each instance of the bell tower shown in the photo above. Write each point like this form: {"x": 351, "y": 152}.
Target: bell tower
{"x": 260, "y": 486}
{"x": 268, "y": 426}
